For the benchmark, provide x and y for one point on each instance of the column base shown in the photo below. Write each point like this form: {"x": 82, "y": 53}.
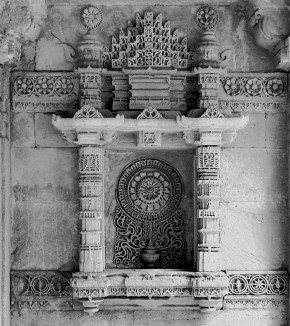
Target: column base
{"x": 208, "y": 261}
{"x": 91, "y": 306}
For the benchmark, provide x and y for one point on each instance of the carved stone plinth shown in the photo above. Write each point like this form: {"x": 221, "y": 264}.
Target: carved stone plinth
{"x": 206, "y": 289}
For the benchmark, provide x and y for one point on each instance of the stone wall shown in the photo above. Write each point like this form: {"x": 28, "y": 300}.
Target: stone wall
{"x": 254, "y": 172}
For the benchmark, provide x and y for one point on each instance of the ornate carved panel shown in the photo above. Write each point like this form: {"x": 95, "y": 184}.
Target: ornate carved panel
{"x": 149, "y": 195}
{"x": 148, "y": 44}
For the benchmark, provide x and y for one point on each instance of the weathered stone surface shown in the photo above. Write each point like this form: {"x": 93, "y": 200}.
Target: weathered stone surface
{"x": 269, "y": 317}
{"x": 22, "y": 130}
{"x": 254, "y": 175}
{"x": 254, "y": 208}
{"x": 253, "y": 135}
{"x": 253, "y": 236}
{"x": 277, "y": 130}
{"x": 45, "y": 209}
{"x": 115, "y": 161}
{"x": 45, "y": 133}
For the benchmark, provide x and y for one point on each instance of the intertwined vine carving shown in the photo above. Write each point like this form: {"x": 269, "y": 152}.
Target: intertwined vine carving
{"x": 149, "y": 195}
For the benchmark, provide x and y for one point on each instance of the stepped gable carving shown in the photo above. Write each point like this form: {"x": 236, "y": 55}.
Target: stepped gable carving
{"x": 148, "y": 43}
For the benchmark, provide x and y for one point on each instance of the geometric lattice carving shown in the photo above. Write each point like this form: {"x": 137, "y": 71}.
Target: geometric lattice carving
{"x": 149, "y": 138}
{"x": 208, "y": 162}
{"x": 91, "y": 205}
{"x": 90, "y": 160}
{"x": 258, "y": 284}
{"x": 149, "y": 195}
{"x": 148, "y": 44}
{"x": 208, "y": 200}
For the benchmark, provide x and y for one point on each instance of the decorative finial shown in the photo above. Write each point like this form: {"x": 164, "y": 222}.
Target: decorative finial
{"x": 206, "y": 17}
{"x": 91, "y": 17}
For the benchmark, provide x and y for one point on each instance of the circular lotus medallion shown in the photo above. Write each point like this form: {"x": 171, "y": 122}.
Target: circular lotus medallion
{"x": 149, "y": 190}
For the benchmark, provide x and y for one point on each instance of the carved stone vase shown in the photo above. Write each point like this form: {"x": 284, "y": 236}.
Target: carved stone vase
{"x": 150, "y": 256}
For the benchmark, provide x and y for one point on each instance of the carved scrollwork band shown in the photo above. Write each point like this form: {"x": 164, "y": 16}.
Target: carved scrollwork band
{"x": 41, "y": 290}
{"x": 257, "y": 290}
{"x": 55, "y": 290}
{"x": 258, "y": 284}
{"x": 50, "y": 92}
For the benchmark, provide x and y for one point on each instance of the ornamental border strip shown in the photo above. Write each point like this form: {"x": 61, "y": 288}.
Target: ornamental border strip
{"x": 41, "y": 290}
{"x": 23, "y": 292}
{"x": 255, "y": 87}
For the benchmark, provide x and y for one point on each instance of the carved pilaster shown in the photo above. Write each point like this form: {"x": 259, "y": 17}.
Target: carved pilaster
{"x": 92, "y": 253}
{"x": 90, "y": 86}
{"x": 4, "y": 199}
{"x": 208, "y": 70}
{"x": 208, "y": 197}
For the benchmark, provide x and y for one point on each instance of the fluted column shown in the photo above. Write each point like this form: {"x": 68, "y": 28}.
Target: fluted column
{"x": 208, "y": 199}
{"x": 92, "y": 253}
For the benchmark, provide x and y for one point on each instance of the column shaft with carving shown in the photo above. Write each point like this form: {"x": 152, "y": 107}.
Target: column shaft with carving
{"x": 90, "y": 86}
{"x": 208, "y": 197}
{"x": 92, "y": 251}
{"x": 4, "y": 199}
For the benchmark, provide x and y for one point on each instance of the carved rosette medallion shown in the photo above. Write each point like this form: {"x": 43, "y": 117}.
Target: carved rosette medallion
{"x": 149, "y": 195}
{"x": 206, "y": 17}
{"x": 91, "y": 17}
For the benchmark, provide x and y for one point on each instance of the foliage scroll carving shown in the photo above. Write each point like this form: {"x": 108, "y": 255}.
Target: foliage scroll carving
{"x": 149, "y": 195}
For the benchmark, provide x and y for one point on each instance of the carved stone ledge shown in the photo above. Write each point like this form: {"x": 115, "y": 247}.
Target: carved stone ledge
{"x": 207, "y": 289}
{"x": 207, "y": 131}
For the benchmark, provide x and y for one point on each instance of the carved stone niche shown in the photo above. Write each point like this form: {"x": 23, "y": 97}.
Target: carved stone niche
{"x": 149, "y": 195}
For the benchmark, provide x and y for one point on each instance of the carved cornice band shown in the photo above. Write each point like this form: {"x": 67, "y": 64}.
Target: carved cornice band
{"x": 52, "y": 291}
